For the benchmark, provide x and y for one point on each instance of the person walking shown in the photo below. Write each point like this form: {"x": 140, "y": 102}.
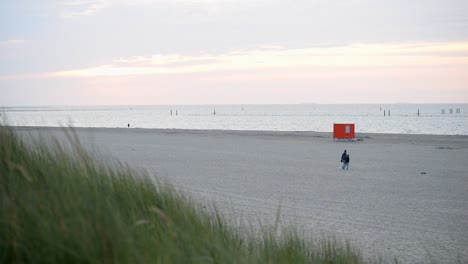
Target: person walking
{"x": 343, "y": 157}
{"x": 346, "y": 163}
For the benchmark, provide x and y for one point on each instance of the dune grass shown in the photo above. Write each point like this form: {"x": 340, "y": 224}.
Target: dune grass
{"x": 58, "y": 205}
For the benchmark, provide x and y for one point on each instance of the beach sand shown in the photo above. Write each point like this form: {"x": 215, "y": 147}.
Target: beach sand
{"x": 403, "y": 195}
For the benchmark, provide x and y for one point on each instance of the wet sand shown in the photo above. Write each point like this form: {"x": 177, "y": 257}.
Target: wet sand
{"x": 403, "y": 195}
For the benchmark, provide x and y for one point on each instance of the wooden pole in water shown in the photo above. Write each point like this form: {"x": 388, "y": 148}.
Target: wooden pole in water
{"x": 383, "y": 112}
{"x": 418, "y": 112}
{"x": 388, "y": 112}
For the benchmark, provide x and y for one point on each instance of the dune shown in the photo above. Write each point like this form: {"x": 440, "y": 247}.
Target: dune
{"x": 403, "y": 195}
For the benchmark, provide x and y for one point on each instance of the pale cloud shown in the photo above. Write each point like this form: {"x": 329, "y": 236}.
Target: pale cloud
{"x": 351, "y": 56}
{"x": 314, "y": 61}
{"x": 77, "y": 8}
{"x": 138, "y": 61}
{"x": 27, "y": 76}
{"x": 11, "y": 42}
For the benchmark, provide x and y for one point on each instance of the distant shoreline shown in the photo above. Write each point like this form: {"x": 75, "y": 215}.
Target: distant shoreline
{"x": 232, "y": 131}
{"x": 452, "y": 141}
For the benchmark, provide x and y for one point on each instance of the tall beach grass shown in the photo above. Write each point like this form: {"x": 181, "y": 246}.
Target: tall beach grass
{"x": 59, "y": 205}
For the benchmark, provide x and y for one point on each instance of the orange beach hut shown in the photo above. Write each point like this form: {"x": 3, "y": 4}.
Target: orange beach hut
{"x": 343, "y": 131}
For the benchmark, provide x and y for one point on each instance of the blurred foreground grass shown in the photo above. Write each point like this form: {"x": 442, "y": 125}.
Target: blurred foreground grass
{"x": 59, "y": 205}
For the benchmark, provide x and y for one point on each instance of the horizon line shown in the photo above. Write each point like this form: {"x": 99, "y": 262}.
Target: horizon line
{"x": 214, "y": 104}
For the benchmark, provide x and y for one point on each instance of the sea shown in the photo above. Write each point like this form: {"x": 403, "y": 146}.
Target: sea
{"x": 442, "y": 119}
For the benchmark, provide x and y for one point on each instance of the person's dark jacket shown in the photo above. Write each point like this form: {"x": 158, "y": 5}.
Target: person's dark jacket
{"x": 343, "y": 157}
{"x": 347, "y": 159}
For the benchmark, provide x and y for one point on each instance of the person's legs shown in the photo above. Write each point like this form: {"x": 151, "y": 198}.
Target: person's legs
{"x": 347, "y": 165}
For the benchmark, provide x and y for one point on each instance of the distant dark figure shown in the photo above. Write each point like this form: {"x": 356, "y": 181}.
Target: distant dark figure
{"x": 343, "y": 157}
{"x": 346, "y": 162}
{"x": 128, "y": 125}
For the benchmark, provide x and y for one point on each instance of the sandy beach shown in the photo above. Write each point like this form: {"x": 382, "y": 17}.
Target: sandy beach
{"x": 403, "y": 195}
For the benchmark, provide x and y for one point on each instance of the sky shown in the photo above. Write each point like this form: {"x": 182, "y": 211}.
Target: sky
{"x": 162, "y": 52}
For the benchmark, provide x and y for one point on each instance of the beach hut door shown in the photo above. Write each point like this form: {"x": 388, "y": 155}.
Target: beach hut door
{"x": 347, "y": 129}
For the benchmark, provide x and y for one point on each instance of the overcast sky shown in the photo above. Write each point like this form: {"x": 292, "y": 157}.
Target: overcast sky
{"x": 106, "y": 52}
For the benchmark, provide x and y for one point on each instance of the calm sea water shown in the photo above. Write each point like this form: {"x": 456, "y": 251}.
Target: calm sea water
{"x": 445, "y": 119}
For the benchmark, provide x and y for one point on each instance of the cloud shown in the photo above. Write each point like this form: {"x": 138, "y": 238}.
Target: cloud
{"x": 317, "y": 60}
{"x": 77, "y": 8}
{"x": 351, "y": 56}
{"x": 11, "y": 42}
